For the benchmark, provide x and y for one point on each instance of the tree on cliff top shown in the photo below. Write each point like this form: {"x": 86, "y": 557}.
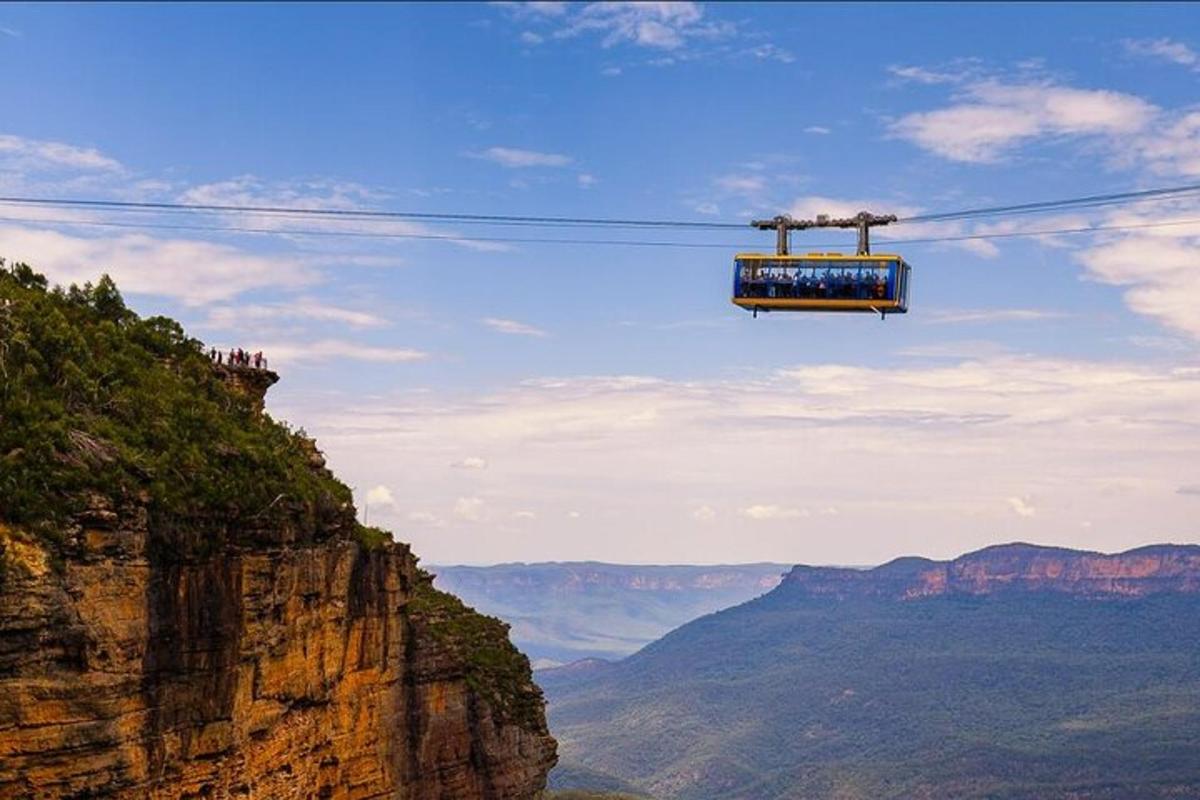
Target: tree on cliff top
{"x": 98, "y": 405}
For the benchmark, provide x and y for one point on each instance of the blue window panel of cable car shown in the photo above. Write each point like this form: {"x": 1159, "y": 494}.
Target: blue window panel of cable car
{"x": 814, "y": 279}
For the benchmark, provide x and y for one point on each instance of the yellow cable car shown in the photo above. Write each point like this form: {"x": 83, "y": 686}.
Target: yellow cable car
{"x": 876, "y": 283}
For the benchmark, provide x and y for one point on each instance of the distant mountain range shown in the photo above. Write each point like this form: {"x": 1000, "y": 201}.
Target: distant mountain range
{"x": 566, "y": 611}
{"x": 1013, "y": 672}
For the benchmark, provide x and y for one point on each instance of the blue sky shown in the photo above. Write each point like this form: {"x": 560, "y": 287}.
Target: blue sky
{"x": 503, "y": 401}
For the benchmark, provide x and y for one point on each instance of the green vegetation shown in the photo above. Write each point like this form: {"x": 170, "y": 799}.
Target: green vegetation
{"x": 1005, "y": 697}
{"x": 101, "y": 407}
{"x": 495, "y": 669}
{"x": 370, "y": 537}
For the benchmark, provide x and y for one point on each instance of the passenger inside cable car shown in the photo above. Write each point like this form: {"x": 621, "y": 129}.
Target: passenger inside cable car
{"x": 821, "y": 282}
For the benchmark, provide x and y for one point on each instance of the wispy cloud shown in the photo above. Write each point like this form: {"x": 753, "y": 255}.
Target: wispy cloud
{"x": 324, "y": 350}
{"x": 313, "y": 194}
{"x": 1021, "y": 506}
{"x": 741, "y": 184}
{"x": 512, "y": 327}
{"x": 471, "y": 462}
{"x": 1164, "y": 50}
{"x": 657, "y": 26}
{"x": 515, "y": 158}
{"x": 470, "y": 509}
{"x": 924, "y": 75}
{"x": 774, "y": 512}
{"x": 772, "y": 52}
{"x": 256, "y": 314}
{"x": 381, "y": 496}
{"x": 819, "y": 130}
{"x": 17, "y": 152}
{"x": 992, "y": 315}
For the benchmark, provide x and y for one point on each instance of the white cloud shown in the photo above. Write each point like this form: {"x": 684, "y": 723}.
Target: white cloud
{"x": 19, "y": 153}
{"x": 866, "y": 440}
{"x": 955, "y": 350}
{"x": 585, "y": 180}
{"x": 708, "y": 208}
{"x": 658, "y": 26}
{"x": 992, "y": 315}
{"x": 772, "y": 52}
{"x": 529, "y": 37}
{"x": 610, "y": 72}
{"x": 534, "y": 9}
{"x": 1173, "y": 146}
{"x": 704, "y": 514}
{"x": 1164, "y": 49}
{"x": 1168, "y": 343}
{"x": 424, "y": 518}
{"x": 1021, "y": 506}
{"x": 819, "y": 130}
{"x": 991, "y": 117}
{"x": 1161, "y": 269}
{"x": 469, "y": 509}
{"x": 774, "y": 512}
{"x": 250, "y": 190}
{"x": 512, "y": 327}
{"x": 515, "y": 158}
{"x": 381, "y": 496}
{"x": 524, "y": 515}
{"x": 471, "y": 462}
{"x": 257, "y": 314}
{"x": 332, "y": 195}
{"x": 573, "y": 515}
{"x": 742, "y": 184}
{"x": 195, "y": 272}
{"x": 923, "y": 75}
{"x": 337, "y": 349}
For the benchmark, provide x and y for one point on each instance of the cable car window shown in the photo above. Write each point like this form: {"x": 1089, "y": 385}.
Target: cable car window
{"x": 825, "y": 283}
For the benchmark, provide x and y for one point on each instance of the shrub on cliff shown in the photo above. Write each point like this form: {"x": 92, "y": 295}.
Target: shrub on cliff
{"x": 99, "y": 406}
{"x": 495, "y": 669}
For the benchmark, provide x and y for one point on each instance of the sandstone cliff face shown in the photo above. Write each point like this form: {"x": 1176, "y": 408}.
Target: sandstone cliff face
{"x": 1015, "y": 567}
{"x": 316, "y": 671}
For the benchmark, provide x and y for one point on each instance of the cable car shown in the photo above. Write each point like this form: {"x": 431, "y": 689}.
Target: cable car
{"x": 876, "y": 283}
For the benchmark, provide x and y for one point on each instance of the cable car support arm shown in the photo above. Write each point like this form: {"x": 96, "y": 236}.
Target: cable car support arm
{"x": 862, "y": 221}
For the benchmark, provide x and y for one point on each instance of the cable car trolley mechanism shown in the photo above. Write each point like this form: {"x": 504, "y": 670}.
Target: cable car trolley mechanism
{"x": 821, "y": 281}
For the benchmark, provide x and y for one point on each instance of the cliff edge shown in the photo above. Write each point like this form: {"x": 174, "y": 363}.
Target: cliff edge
{"x": 1009, "y": 568}
{"x": 188, "y": 608}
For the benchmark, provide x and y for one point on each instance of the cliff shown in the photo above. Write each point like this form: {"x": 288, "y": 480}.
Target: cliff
{"x": 1014, "y": 568}
{"x": 188, "y": 608}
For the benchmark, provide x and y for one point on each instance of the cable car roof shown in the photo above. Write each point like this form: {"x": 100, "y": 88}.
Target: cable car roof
{"x": 821, "y": 256}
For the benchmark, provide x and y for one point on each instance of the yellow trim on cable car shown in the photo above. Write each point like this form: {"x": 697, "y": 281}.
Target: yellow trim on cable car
{"x": 830, "y": 303}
